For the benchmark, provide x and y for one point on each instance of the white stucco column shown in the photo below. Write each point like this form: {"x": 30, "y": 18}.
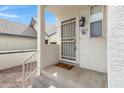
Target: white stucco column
{"x": 116, "y": 46}
{"x": 41, "y": 36}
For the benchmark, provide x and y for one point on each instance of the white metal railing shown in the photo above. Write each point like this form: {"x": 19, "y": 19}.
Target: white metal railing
{"x": 29, "y": 67}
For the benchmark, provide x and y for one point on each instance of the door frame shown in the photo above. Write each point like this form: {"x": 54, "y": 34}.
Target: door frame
{"x": 77, "y": 57}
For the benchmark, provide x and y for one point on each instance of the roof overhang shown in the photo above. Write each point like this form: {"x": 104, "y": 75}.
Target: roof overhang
{"x": 59, "y": 10}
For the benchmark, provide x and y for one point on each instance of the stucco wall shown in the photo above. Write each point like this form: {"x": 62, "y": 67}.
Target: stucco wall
{"x": 51, "y": 55}
{"x": 54, "y": 38}
{"x": 91, "y": 52}
{"x": 14, "y": 59}
{"x": 116, "y": 46}
{"x": 8, "y": 42}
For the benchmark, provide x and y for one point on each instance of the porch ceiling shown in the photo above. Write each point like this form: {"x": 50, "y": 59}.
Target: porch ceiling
{"x": 64, "y": 9}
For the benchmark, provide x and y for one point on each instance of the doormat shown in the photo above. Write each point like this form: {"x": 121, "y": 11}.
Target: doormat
{"x": 64, "y": 66}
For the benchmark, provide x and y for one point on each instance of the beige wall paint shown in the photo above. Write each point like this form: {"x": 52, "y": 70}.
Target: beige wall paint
{"x": 51, "y": 55}
{"x": 8, "y": 42}
{"x": 91, "y": 52}
{"x": 12, "y": 60}
{"x": 54, "y": 38}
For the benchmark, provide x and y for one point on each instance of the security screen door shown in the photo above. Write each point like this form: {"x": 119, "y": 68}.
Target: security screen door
{"x": 68, "y": 39}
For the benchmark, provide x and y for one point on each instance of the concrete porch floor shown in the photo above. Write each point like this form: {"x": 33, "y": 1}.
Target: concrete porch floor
{"x": 75, "y": 78}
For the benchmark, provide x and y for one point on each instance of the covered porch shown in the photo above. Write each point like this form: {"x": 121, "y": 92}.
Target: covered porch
{"x": 87, "y": 55}
{"x": 77, "y": 77}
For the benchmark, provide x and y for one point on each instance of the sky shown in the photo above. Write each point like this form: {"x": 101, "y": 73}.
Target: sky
{"x": 23, "y": 13}
{"x": 50, "y": 17}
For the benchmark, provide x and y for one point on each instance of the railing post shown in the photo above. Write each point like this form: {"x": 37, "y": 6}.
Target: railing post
{"x": 23, "y": 75}
{"x": 27, "y": 69}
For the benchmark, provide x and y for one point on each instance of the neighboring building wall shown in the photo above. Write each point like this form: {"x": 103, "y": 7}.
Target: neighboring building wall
{"x": 49, "y": 28}
{"x": 9, "y": 43}
{"x": 13, "y": 59}
{"x": 54, "y": 38}
{"x": 35, "y": 26}
{"x": 91, "y": 51}
{"x": 116, "y": 46}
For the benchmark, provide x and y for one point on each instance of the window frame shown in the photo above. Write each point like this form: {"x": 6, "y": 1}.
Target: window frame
{"x": 46, "y": 41}
{"x": 96, "y": 21}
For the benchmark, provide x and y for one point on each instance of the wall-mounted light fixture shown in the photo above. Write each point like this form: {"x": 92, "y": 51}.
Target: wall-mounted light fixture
{"x": 82, "y": 21}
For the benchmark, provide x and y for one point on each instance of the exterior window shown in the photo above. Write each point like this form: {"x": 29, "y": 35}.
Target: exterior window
{"x": 46, "y": 41}
{"x": 53, "y": 43}
{"x": 96, "y": 21}
{"x": 96, "y": 29}
{"x": 96, "y": 9}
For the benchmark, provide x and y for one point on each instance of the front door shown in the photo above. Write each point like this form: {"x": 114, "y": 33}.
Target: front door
{"x": 68, "y": 40}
